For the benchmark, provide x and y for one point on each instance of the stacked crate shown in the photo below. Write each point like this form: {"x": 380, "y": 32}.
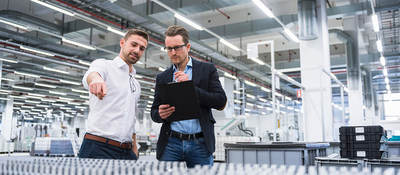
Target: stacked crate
{"x": 363, "y": 142}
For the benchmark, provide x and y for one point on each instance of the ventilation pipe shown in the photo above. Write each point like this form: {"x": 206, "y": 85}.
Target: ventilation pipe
{"x": 308, "y": 28}
{"x": 353, "y": 62}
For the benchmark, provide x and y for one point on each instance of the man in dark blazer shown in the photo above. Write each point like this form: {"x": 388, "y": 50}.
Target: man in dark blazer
{"x": 192, "y": 141}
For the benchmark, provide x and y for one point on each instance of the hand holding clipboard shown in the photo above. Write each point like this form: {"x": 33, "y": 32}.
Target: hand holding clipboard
{"x": 181, "y": 98}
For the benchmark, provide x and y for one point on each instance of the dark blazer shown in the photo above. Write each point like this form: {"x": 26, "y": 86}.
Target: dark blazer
{"x": 210, "y": 94}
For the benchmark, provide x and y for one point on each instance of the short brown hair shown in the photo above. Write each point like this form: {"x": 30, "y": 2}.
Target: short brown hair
{"x": 136, "y": 32}
{"x": 178, "y": 30}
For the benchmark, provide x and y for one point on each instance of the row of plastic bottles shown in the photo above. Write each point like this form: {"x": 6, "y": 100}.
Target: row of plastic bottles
{"x": 76, "y": 166}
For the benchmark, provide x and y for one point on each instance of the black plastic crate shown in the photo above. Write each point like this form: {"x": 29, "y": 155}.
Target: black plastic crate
{"x": 361, "y": 137}
{"x": 362, "y": 154}
{"x": 352, "y": 130}
{"x": 361, "y": 145}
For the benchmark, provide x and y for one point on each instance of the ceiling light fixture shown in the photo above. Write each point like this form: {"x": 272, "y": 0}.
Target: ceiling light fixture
{"x": 116, "y": 31}
{"x": 70, "y": 82}
{"x": 58, "y": 93}
{"x": 37, "y": 51}
{"x": 228, "y": 75}
{"x": 379, "y": 46}
{"x": 45, "y": 85}
{"x": 188, "y": 21}
{"x": 80, "y": 91}
{"x": 78, "y": 44}
{"x": 382, "y": 60}
{"x": 24, "y": 88}
{"x": 84, "y": 62}
{"x": 55, "y": 70}
{"x": 7, "y": 60}
{"x": 27, "y": 74}
{"x": 225, "y": 42}
{"x": 291, "y": 35}
{"x": 53, "y": 7}
{"x": 264, "y": 8}
{"x": 375, "y": 22}
{"x": 13, "y": 24}
{"x": 250, "y": 83}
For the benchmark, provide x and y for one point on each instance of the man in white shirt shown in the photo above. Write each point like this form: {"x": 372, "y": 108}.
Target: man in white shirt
{"x": 114, "y": 93}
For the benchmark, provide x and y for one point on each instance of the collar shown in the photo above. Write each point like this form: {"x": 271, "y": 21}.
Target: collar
{"x": 122, "y": 65}
{"x": 189, "y": 64}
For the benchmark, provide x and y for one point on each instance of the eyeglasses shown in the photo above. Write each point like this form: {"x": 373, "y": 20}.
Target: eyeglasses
{"x": 176, "y": 48}
{"x": 132, "y": 84}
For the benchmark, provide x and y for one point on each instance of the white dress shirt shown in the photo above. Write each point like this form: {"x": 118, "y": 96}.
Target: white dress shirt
{"x": 114, "y": 116}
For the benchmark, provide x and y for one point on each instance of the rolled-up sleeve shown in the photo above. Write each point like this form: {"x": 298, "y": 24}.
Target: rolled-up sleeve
{"x": 96, "y": 66}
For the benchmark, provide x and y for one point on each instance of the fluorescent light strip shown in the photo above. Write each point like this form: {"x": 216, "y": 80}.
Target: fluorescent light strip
{"x": 80, "y": 91}
{"x": 161, "y": 69}
{"x": 228, "y": 75}
{"x": 64, "y": 98}
{"x": 188, "y": 21}
{"x": 82, "y": 96}
{"x": 263, "y": 100}
{"x": 37, "y": 110}
{"x": 250, "y": 104}
{"x": 382, "y": 60}
{"x": 24, "y": 88}
{"x": 80, "y": 107}
{"x": 48, "y": 100}
{"x": 84, "y": 62}
{"x": 264, "y": 8}
{"x": 223, "y": 41}
{"x": 55, "y": 104}
{"x": 78, "y": 44}
{"x": 53, "y": 7}
{"x": 19, "y": 97}
{"x": 237, "y": 92}
{"x": 44, "y": 106}
{"x": 7, "y": 79}
{"x": 29, "y": 107}
{"x": 259, "y": 106}
{"x": 291, "y": 35}
{"x": 1, "y": 98}
{"x": 31, "y": 101}
{"x": 27, "y": 74}
{"x": 58, "y": 93}
{"x": 152, "y": 90}
{"x": 7, "y": 60}
{"x": 45, "y": 85}
{"x": 138, "y": 76}
{"x": 74, "y": 103}
{"x": 66, "y": 108}
{"x": 37, "y": 51}
{"x": 258, "y": 61}
{"x": 14, "y": 24}
{"x": 250, "y": 83}
{"x": 387, "y": 80}
{"x": 55, "y": 70}
{"x": 69, "y": 82}
{"x": 251, "y": 96}
{"x": 265, "y": 89}
{"x": 375, "y": 22}
{"x": 116, "y": 31}
{"x": 385, "y": 72}
{"x": 38, "y": 95}
{"x": 379, "y": 46}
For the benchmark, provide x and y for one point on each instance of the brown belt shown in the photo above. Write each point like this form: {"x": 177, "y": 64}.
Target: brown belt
{"x": 126, "y": 145}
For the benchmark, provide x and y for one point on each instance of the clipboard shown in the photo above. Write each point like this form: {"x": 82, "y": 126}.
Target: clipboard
{"x": 183, "y": 96}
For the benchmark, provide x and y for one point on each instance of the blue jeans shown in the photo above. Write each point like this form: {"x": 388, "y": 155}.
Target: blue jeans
{"x": 193, "y": 152}
{"x": 98, "y": 150}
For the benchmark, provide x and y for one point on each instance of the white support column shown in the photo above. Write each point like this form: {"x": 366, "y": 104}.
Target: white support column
{"x": 7, "y": 122}
{"x": 314, "y": 57}
{"x": 350, "y": 26}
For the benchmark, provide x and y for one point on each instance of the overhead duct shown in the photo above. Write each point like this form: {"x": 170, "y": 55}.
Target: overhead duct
{"x": 27, "y": 19}
{"x": 308, "y": 28}
{"x": 353, "y": 62}
{"x": 24, "y": 38}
